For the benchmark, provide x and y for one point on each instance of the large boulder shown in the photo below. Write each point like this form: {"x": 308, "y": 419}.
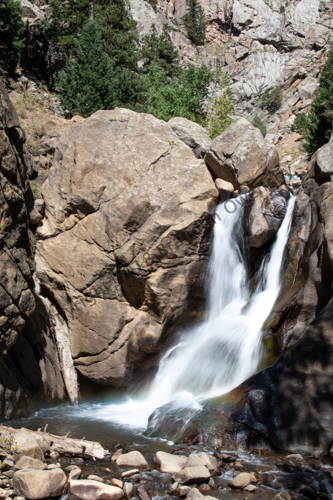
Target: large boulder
{"x": 37, "y": 484}
{"x": 193, "y": 134}
{"x": 241, "y": 156}
{"x": 321, "y": 165}
{"x": 125, "y": 238}
{"x": 29, "y": 365}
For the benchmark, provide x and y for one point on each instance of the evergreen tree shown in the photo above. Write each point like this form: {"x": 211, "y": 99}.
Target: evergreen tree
{"x": 12, "y": 39}
{"x": 87, "y": 83}
{"x": 67, "y": 21}
{"x": 159, "y": 49}
{"x": 194, "y": 21}
{"x": 258, "y": 123}
{"x": 184, "y": 96}
{"x": 319, "y": 123}
{"x": 222, "y": 107}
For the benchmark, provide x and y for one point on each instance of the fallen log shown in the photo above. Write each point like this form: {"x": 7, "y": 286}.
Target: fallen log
{"x": 61, "y": 444}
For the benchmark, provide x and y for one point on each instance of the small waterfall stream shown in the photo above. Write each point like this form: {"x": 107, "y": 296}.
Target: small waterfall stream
{"x": 213, "y": 357}
{"x": 221, "y": 352}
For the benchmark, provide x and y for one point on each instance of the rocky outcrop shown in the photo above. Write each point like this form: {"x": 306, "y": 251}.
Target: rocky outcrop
{"x": 192, "y": 134}
{"x": 321, "y": 165}
{"x": 124, "y": 239}
{"x": 29, "y": 365}
{"x": 289, "y": 405}
{"x": 241, "y": 156}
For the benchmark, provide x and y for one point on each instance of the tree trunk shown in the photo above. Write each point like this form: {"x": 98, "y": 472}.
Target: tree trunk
{"x": 91, "y": 10}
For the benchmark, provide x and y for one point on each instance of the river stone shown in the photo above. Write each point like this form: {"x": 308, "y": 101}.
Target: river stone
{"x": 36, "y": 484}
{"x": 129, "y": 490}
{"x": 169, "y": 463}
{"x": 27, "y": 445}
{"x": 192, "y": 134}
{"x": 25, "y": 462}
{"x": 243, "y": 479}
{"x": 240, "y": 155}
{"x": 202, "y": 458}
{"x": 74, "y": 473}
{"x": 132, "y": 459}
{"x": 84, "y": 489}
{"x": 191, "y": 475}
{"x": 126, "y": 238}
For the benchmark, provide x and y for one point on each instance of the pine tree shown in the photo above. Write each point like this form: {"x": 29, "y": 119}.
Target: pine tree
{"x": 87, "y": 83}
{"x": 194, "y": 21}
{"x": 159, "y": 49}
{"x": 319, "y": 123}
{"x": 222, "y": 107}
{"x": 67, "y": 21}
{"x": 12, "y": 39}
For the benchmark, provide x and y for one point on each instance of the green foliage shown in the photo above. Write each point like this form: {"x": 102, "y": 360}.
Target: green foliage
{"x": 221, "y": 107}
{"x": 184, "y": 96}
{"x": 159, "y": 49}
{"x": 300, "y": 124}
{"x": 194, "y": 21}
{"x": 319, "y": 123}
{"x": 12, "y": 40}
{"x": 67, "y": 21}
{"x": 87, "y": 83}
{"x": 258, "y": 123}
{"x": 272, "y": 100}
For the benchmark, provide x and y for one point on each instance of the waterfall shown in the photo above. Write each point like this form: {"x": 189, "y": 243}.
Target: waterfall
{"x": 221, "y": 352}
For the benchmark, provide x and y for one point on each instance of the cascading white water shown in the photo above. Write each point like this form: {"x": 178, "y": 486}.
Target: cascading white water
{"x": 220, "y": 353}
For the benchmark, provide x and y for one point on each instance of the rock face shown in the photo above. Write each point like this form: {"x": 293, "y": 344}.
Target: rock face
{"x": 241, "y": 156}
{"x": 127, "y": 222}
{"x": 29, "y": 362}
{"x": 195, "y": 136}
{"x": 290, "y": 404}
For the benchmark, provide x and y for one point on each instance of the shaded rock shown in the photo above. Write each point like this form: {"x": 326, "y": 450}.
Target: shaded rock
{"x": 75, "y": 474}
{"x": 321, "y": 166}
{"x": 240, "y": 155}
{"x": 169, "y": 463}
{"x": 195, "y": 493}
{"x": 124, "y": 239}
{"x": 35, "y": 484}
{"x": 132, "y": 459}
{"x": 192, "y": 134}
{"x": 29, "y": 463}
{"x": 84, "y": 489}
{"x": 268, "y": 209}
{"x": 279, "y": 410}
{"x": 179, "y": 490}
{"x": 192, "y": 475}
{"x": 241, "y": 481}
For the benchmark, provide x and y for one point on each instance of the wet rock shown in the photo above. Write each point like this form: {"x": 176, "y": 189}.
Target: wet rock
{"x": 116, "y": 455}
{"x": 132, "y": 459}
{"x": 143, "y": 493}
{"x": 192, "y": 475}
{"x": 225, "y": 188}
{"x": 250, "y": 487}
{"x": 169, "y": 463}
{"x": 240, "y": 155}
{"x": 84, "y": 489}
{"x": 36, "y": 484}
{"x": 29, "y": 463}
{"x": 192, "y": 134}
{"x": 195, "y": 493}
{"x": 282, "y": 495}
{"x": 241, "y": 481}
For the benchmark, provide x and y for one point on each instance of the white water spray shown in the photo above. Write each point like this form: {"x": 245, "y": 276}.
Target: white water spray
{"x": 220, "y": 353}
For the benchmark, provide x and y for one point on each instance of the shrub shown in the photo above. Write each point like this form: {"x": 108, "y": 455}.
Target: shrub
{"x": 258, "y": 123}
{"x": 300, "y": 124}
{"x": 221, "y": 108}
{"x": 272, "y": 100}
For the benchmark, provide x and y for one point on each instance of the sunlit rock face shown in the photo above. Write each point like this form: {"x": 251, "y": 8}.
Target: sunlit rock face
{"x": 124, "y": 240}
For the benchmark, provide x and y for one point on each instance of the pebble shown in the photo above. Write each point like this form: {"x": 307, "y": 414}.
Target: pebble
{"x": 128, "y": 473}
{"x": 93, "y": 477}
